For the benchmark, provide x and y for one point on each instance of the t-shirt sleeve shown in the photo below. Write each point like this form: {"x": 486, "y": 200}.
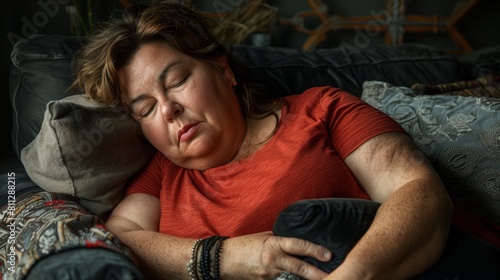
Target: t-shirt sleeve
{"x": 148, "y": 180}
{"x": 352, "y": 121}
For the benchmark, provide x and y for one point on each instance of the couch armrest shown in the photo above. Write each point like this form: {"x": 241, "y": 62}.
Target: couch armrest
{"x": 41, "y": 225}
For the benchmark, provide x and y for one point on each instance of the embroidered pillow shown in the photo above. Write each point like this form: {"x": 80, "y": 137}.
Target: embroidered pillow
{"x": 459, "y": 134}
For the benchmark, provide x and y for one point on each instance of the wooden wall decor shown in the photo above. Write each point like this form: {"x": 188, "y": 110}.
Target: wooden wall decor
{"x": 395, "y": 23}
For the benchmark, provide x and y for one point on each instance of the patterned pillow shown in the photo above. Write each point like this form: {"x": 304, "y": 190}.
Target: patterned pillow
{"x": 42, "y": 225}
{"x": 461, "y": 136}
{"x": 487, "y": 86}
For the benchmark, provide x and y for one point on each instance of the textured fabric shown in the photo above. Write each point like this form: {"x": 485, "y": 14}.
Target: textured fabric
{"x": 336, "y": 223}
{"x": 85, "y": 264}
{"x": 485, "y": 86}
{"x": 481, "y": 62}
{"x": 460, "y": 136}
{"x": 286, "y": 71}
{"x": 339, "y": 223}
{"x": 41, "y": 72}
{"x": 86, "y": 150}
{"x": 41, "y": 224}
{"x": 303, "y": 159}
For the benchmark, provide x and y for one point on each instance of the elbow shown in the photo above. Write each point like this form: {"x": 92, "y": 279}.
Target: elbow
{"x": 112, "y": 226}
{"x": 119, "y": 225}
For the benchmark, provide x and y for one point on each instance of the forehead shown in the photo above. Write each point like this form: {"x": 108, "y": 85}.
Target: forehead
{"x": 155, "y": 52}
{"x": 148, "y": 63}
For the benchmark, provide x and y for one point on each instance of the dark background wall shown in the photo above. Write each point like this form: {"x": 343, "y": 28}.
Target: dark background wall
{"x": 478, "y": 26}
{"x": 22, "y": 18}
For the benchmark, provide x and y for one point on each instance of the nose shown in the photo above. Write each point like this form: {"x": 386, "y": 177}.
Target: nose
{"x": 170, "y": 110}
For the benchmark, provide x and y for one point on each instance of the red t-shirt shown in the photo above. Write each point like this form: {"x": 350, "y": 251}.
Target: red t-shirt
{"x": 303, "y": 159}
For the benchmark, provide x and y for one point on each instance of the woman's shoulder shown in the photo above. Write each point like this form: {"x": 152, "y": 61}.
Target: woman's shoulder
{"x": 319, "y": 92}
{"x": 321, "y": 96}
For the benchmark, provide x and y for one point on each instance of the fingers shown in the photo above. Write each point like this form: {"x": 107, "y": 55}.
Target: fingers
{"x": 301, "y": 247}
{"x": 265, "y": 256}
{"x": 300, "y": 268}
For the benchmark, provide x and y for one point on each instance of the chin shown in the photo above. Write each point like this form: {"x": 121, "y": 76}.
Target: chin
{"x": 196, "y": 164}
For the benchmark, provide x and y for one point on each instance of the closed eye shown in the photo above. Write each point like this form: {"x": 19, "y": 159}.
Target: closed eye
{"x": 181, "y": 82}
{"x": 143, "y": 107}
{"x": 146, "y": 111}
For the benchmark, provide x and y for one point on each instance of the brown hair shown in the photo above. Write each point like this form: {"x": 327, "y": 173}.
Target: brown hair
{"x": 114, "y": 44}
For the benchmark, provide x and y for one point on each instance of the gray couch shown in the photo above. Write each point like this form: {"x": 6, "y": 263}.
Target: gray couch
{"x": 41, "y": 73}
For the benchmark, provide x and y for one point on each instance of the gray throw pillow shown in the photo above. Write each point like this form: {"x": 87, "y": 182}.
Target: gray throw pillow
{"x": 460, "y": 135}
{"x": 86, "y": 150}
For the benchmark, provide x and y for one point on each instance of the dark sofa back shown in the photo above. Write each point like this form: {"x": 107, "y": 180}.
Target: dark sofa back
{"x": 41, "y": 71}
{"x": 482, "y": 62}
{"x": 289, "y": 71}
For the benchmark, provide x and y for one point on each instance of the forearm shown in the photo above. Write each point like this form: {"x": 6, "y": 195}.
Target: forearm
{"x": 257, "y": 256}
{"x": 159, "y": 256}
{"x": 407, "y": 236}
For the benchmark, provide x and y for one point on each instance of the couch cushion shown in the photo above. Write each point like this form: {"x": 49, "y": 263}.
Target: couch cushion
{"x": 86, "y": 150}
{"x": 460, "y": 136}
{"x": 339, "y": 223}
{"x": 336, "y": 223}
{"x": 40, "y": 72}
{"x": 485, "y": 61}
{"x": 287, "y": 71}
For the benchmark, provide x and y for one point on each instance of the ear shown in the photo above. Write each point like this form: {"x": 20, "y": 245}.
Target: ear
{"x": 225, "y": 68}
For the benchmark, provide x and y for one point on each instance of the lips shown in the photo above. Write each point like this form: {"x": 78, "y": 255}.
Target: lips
{"x": 188, "y": 131}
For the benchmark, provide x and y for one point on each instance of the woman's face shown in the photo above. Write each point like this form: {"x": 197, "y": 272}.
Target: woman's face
{"x": 186, "y": 107}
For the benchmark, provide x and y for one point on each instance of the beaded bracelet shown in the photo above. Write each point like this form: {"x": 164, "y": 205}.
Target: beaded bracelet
{"x": 192, "y": 268}
{"x": 205, "y": 258}
{"x": 215, "y": 255}
{"x": 218, "y": 249}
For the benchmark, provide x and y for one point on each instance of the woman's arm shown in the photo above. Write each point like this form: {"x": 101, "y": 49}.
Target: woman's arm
{"x": 135, "y": 221}
{"x": 410, "y": 229}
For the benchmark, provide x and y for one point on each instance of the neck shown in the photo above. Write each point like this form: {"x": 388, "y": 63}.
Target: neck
{"x": 246, "y": 144}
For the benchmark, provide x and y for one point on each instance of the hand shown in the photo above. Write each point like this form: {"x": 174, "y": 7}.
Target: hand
{"x": 265, "y": 256}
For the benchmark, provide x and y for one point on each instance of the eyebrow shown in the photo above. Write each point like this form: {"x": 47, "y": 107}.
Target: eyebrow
{"x": 167, "y": 69}
{"x": 159, "y": 79}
